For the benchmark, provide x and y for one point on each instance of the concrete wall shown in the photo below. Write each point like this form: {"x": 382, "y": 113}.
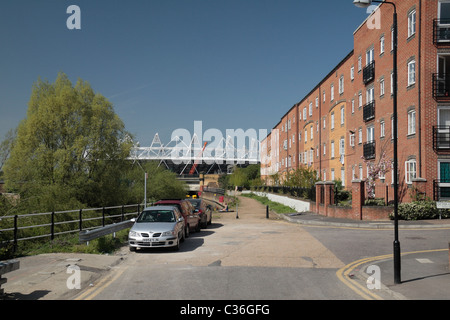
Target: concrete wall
{"x": 296, "y": 205}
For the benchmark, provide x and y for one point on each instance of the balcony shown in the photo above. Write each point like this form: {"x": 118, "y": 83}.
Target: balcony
{"x": 441, "y": 86}
{"x": 441, "y": 32}
{"x": 441, "y": 190}
{"x": 369, "y": 150}
{"x": 369, "y": 73}
{"x": 369, "y": 111}
{"x": 441, "y": 139}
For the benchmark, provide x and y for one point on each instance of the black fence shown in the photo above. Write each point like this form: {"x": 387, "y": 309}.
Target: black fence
{"x": 48, "y": 225}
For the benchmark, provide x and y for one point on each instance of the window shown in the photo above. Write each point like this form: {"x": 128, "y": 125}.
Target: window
{"x": 412, "y": 122}
{"x": 342, "y": 116}
{"x": 332, "y": 174}
{"x": 353, "y": 105}
{"x": 300, "y": 115}
{"x": 324, "y": 96}
{"x": 369, "y": 56}
{"x": 341, "y": 85}
{"x": 317, "y": 102}
{"x": 370, "y": 95}
{"x": 359, "y": 63}
{"x": 392, "y": 83}
{"x": 411, "y": 23}
{"x": 306, "y": 135}
{"x": 370, "y": 134}
{"x": 332, "y": 120}
{"x": 392, "y": 39}
{"x": 360, "y": 136}
{"x": 410, "y": 170}
{"x": 312, "y": 132}
{"x": 411, "y": 72}
{"x": 382, "y": 128}
{"x": 360, "y": 172}
{"x": 382, "y": 44}
{"x": 304, "y": 113}
{"x": 324, "y": 122}
{"x": 382, "y": 87}
{"x": 324, "y": 149}
{"x": 352, "y": 139}
{"x": 332, "y": 149}
{"x": 310, "y": 109}
{"x": 342, "y": 146}
{"x": 332, "y": 93}
{"x": 343, "y": 176}
{"x": 444, "y": 10}
{"x": 360, "y": 100}
{"x": 352, "y": 73}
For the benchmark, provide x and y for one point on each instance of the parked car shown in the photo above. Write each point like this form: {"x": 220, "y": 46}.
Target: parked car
{"x": 192, "y": 220}
{"x": 161, "y": 226}
{"x": 203, "y": 210}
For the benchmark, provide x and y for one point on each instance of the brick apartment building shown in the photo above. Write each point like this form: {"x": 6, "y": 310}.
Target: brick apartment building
{"x": 346, "y": 120}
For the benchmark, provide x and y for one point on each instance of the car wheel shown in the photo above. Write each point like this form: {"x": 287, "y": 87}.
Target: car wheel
{"x": 197, "y": 228}
{"x": 210, "y": 219}
{"x": 132, "y": 249}
{"x": 177, "y": 246}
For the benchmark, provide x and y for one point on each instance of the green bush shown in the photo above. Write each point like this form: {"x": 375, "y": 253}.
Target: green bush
{"x": 420, "y": 210}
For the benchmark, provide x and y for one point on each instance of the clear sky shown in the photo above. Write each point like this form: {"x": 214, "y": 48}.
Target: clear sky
{"x": 167, "y": 63}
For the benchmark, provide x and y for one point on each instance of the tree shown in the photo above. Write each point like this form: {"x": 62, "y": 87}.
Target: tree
{"x": 69, "y": 150}
{"x": 374, "y": 171}
{"x": 161, "y": 183}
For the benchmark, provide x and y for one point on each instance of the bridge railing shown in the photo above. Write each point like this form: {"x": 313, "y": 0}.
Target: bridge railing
{"x": 50, "y": 224}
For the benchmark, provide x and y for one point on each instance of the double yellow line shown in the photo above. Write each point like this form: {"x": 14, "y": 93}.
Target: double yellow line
{"x": 92, "y": 292}
{"x": 343, "y": 274}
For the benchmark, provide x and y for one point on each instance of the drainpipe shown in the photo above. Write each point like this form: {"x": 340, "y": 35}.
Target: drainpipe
{"x": 419, "y": 109}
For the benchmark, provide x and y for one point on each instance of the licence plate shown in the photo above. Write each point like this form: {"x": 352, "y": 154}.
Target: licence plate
{"x": 150, "y": 240}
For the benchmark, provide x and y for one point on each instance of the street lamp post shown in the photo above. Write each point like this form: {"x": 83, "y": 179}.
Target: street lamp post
{"x": 397, "y": 265}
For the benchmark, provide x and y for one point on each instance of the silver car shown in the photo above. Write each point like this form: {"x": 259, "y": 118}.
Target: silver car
{"x": 161, "y": 226}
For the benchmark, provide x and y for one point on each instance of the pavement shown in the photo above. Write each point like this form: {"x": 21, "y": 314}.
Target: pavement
{"x": 54, "y": 276}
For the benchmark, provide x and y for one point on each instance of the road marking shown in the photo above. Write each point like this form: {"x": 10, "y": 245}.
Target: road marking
{"x": 92, "y": 292}
{"x": 424, "y": 261}
{"x": 344, "y": 273}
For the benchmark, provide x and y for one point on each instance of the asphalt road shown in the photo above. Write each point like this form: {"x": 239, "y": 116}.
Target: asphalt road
{"x": 234, "y": 259}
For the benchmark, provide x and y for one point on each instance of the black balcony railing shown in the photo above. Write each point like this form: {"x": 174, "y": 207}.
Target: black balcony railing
{"x": 441, "y": 86}
{"x": 441, "y": 32}
{"x": 441, "y": 190}
{"x": 369, "y": 73}
{"x": 369, "y": 150}
{"x": 441, "y": 138}
{"x": 369, "y": 111}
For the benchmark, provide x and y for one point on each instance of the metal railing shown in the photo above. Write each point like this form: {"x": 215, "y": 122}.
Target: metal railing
{"x": 369, "y": 72}
{"x": 441, "y": 138}
{"x": 441, "y": 86}
{"x": 441, "y": 190}
{"x": 441, "y": 31}
{"x": 369, "y": 150}
{"x": 369, "y": 111}
{"x": 50, "y": 224}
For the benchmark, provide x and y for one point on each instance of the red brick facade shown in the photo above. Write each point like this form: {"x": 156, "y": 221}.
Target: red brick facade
{"x": 355, "y": 121}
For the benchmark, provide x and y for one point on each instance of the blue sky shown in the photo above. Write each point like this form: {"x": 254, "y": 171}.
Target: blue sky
{"x": 167, "y": 63}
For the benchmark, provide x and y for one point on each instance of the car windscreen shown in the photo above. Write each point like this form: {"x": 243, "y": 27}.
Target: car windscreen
{"x": 157, "y": 216}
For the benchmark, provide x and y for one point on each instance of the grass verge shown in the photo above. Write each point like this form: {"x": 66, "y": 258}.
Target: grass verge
{"x": 274, "y": 206}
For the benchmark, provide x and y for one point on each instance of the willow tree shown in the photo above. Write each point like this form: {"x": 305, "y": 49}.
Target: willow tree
{"x": 69, "y": 150}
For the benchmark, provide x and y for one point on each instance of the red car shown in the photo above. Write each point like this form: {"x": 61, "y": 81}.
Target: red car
{"x": 191, "y": 219}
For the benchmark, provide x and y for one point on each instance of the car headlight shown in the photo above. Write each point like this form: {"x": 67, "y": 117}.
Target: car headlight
{"x": 168, "y": 233}
{"x": 134, "y": 234}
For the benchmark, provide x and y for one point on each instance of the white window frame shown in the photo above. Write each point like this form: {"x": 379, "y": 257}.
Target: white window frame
{"x": 332, "y": 121}
{"x": 382, "y": 129}
{"x": 411, "y": 72}
{"x": 412, "y": 22}
{"x": 382, "y": 87}
{"x": 332, "y": 93}
{"x": 341, "y": 85}
{"x": 411, "y": 122}
{"x": 352, "y": 73}
{"x": 382, "y": 44}
{"x": 342, "y": 115}
{"x": 332, "y": 150}
{"x": 410, "y": 170}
